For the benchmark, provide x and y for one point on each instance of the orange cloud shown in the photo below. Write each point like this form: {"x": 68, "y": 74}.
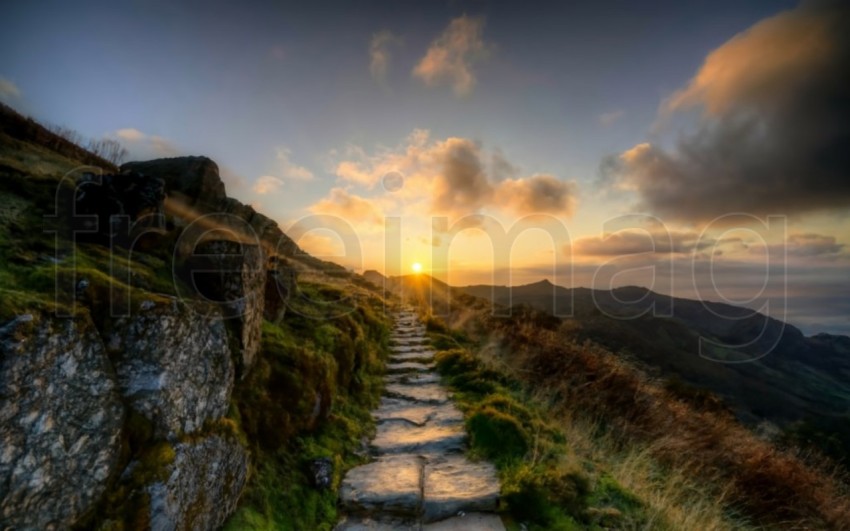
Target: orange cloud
{"x": 451, "y": 56}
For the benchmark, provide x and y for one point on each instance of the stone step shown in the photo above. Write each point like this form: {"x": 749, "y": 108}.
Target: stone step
{"x": 412, "y": 340}
{"x": 467, "y": 522}
{"x": 454, "y": 483}
{"x": 415, "y": 378}
{"x": 390, "y": 485}
{"x": 400, "y": 437}
{"x": 464, "y": 522}
{"x": 422, "y": 356}
{"x": 429, "y": 393}
{"x": 406, "y": 349}
{"x": 408, "y": 366}
{"x": 417, "y": 413}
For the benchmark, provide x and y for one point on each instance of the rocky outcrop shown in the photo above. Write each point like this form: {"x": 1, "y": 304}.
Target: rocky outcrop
{"x": 195, "y": 189}
{"x": 203, "y": 486}
{"x": 232, "y": 275}
{"x": 173, "y": 364}
{"x": 119, "y": 207}
{"x": 194, "y": 180}
{"x": 60, "y": 421}
{"x": 281, "y": 283}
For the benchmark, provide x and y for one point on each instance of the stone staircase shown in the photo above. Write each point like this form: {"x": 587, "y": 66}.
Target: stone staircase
{"x": 420, "y": 478}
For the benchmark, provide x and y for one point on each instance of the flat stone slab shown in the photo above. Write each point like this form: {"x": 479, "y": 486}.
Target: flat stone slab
{"x": 355, "y": 523}
{"x": 425, "y": 356}
{"x": 401, "y": 437}
{"x": 468, "y": 522}
{"x": 454, "y": 483}
{"x": 430, "y": 393}
{"x": 414, "y": 378}
{"x": 412, "y": 340}
{"x": 408, "y": 366}
{"x": 417, "y": 413}
{"x": 389, "y": 485}
{"x": 402, "y": 349}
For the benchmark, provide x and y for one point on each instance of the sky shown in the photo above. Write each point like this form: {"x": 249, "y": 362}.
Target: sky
{"x": 696, "y": 148}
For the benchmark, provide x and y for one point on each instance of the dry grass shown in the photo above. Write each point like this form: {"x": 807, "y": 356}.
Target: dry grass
{"x": 692, "y": 467}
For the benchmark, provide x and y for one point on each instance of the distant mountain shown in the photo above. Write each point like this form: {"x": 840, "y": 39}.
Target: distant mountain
{"x": 763, "y": 369}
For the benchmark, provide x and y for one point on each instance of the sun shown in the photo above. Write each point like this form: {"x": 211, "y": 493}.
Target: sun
{"x": 417, "y": 267}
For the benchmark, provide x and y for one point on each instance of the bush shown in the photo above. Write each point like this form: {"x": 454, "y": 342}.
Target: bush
{"x": 497, "y": 435}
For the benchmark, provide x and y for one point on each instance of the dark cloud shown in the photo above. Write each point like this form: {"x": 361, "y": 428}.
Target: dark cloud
{"x": 462, "y": 185}
{"x": 537, "y": 194}
{"x": 774, "y": 133}
{"x": 634, "y": 242}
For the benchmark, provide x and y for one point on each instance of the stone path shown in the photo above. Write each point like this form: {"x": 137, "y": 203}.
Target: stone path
{"x": 420, "y": 478}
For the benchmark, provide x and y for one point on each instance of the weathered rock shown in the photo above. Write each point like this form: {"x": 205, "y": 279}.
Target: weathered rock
{"x": 173, "y": 364}
{"x": 121, "y": 206}
{"x": 417, "y": 413}
{"x": 195, "y": 191}
{"x": 203, "y": 486}
{"x": 322, "y": 472}
{"x": 233, "y": 276}
{"x": 421, "y": 356}
{"x": 453, "y": 484}
{"x": 60, "y": 422}
{"x": 399, "y": 437}
{"x": 389, "y": 485}
{"x": 413, "y": 378}
{"x": 365, "y": 523}
{"x": 431, "y": 393}
{"x": 393, "y": 368}
{"x": 281, "y": 283}
{"x": 468, "y": 522}
{"x": 195, "y": 180}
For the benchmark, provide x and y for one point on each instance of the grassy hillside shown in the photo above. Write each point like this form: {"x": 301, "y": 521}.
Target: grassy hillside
{"x": 800, "y": 387}
{"x": 309, "y": 394}
{"x": 679, "y": 451}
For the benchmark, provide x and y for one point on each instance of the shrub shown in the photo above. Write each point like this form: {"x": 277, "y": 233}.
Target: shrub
{"x": 497, "y": 435}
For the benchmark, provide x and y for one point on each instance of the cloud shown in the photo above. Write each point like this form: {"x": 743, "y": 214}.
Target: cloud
{"x": 811, "y": 244}
{"x": 538, "y": 194}
{"x": 608, "y": 118}
{"x": 455, "y": 177}
{"x": 634, "y": 242}
{"x": 143, "y": 146}
{"x": 773, "y": 131}
{"x": 451, "y": 56}
{"x": 8, "y": 90}
{"x": 350, "y": 207}
{"x": 289, "y": 169}
{"x": 380, "y": 54}
{"x": 267, "y": 184}
{"x": 461, "y": 184}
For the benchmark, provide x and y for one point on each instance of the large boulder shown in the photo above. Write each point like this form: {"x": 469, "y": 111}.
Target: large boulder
{"x": 173, "y": 364}
{"x": 193, "y": 180}
{"x": 281, "y": 283}
{"x": 196, "y": 191}
{"x": 203, "y": 486}
{"x": 60, "y": 421}
{"x": 233, "y": 276}
{"x": 119, "y": 207}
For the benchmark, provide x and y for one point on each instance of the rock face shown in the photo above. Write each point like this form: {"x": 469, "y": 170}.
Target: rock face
{"x": 195, "y": 188}
{"x": 203, "y": 487}
{"x": 233, "y": 276}
{"x": 194, "y": 179}
{"x": 132, "y": 199}
{"x": 281, "y": 283}
{"x": 60, "y": 421}
{"x": 173, "y": 364}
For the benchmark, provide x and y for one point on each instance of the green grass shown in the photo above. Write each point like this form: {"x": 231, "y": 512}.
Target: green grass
{"x": 336, "y": 362}
{"x": 544, "y": 483}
